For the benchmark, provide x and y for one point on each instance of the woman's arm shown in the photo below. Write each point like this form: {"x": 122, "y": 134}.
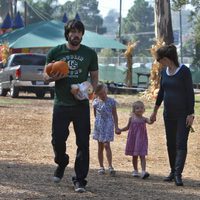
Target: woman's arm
{"x": 159, "y": 100}
{"x": 190, "y": 97}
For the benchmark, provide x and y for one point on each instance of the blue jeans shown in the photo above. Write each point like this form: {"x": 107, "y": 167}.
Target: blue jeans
{"x": 79, "y": 115}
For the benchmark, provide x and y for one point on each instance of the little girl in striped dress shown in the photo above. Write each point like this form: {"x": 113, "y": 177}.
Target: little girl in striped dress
{"x": 137, "y": 140}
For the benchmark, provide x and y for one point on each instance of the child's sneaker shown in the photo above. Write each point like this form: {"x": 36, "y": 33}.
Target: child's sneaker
{"x": 135, "y": 173}
{"x": 145, "y": 175}
{"x": 101, "y": 171}
{"x": 112, "y": 172}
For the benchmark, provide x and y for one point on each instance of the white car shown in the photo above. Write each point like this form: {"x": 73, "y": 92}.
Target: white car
{"x": 137, "y": 65}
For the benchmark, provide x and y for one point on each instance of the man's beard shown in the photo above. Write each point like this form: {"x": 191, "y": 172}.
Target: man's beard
{"x": 75, "y": 41}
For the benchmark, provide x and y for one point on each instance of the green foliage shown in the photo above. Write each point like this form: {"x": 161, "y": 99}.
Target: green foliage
{"x": 188, "y": 47}
{"x": 195, "y": 18}
{"x": 177, "y": 4}
{"x": 4, "y": 7}
{"x": 88, "y": 12}
{"x": 139, "y": 20}
{"x": 50, "y": 9}
{"x": 111, "y": 21}
{"x": 107, "y": 53}
{"x": 41, "y": 10}
{"x": 7, "y": 101}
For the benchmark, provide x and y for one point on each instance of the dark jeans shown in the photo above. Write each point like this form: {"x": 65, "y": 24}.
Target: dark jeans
{"x": 176, "y": 133}
{"x": 79, "y": 115}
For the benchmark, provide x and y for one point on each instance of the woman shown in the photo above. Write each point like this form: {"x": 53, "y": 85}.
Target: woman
{"x": 176, "y": 91}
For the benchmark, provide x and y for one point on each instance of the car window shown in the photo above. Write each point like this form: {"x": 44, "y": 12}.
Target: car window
{"x": 29, "y": 60}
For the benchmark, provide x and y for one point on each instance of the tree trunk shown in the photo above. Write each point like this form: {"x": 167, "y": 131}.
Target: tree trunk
{"x": 163, "y": 22}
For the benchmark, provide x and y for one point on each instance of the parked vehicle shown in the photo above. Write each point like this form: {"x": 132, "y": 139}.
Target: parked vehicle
{"x": 136, "y": 65}
{"x": 148, "y": 65}
{"x": 24, "y": 72}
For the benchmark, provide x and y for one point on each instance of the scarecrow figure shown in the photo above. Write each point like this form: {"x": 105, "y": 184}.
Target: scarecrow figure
{"x": 129, "y": 54}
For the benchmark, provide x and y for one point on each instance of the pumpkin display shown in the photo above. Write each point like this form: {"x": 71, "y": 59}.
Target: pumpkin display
{"x": 58, "y": 66}
{"x": 82, "y": 91}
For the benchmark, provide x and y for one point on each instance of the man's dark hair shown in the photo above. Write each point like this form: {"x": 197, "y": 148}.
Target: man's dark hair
{"x": 73, "y": 24}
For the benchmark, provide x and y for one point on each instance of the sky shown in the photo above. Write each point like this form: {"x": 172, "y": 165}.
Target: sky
{"x": 106, "y": 5}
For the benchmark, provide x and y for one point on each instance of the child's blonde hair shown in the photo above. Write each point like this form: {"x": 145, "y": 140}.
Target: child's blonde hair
{"x": 136, "y": 103}
{"x": 99, "y": 87}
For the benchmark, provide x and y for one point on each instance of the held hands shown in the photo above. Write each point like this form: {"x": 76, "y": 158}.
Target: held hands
{"x": 153, "y": 117}
{"x": 117, "y": 131}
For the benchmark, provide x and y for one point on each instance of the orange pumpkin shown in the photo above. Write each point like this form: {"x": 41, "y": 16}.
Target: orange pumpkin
{"x": 58, "y": 66}
{"x": 48, "y": 69}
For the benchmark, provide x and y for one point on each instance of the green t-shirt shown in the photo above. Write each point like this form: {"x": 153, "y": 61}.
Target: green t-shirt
{"x": 80, "y": 62}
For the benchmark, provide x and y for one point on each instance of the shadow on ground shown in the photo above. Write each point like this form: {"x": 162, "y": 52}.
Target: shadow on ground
{"x": 30, "y": 182}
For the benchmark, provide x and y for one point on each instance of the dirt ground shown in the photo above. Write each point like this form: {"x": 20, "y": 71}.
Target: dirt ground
{"x": 26, "y": 158}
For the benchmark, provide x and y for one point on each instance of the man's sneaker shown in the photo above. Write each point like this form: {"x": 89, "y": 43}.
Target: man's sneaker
{"x": 135, "y": 173}
{"x": 101, "y": 171}
{"x": 112, "y": 172}
{"x": 145, "y": 175}
{"x": 58, "y": 174}
{"x": 78, "y": 187}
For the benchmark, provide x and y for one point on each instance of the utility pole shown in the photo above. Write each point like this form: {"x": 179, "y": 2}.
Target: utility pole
{"x": 25, "y": 14}
{"x": 11, "y": 8}
{"x": 120, "y": 19}
{"x": 15, "y": 8}
{"x": 181, "y": 41}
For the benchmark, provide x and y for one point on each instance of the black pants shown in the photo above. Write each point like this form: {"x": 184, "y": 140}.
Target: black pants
{"x": 80, "y": 117}
{"x": 176, "y": 133}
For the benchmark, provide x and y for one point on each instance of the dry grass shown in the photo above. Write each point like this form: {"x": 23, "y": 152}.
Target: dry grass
{"x": 26, "y": 164}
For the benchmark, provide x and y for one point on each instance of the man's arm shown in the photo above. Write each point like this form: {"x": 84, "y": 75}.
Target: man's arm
{"x": 94, "y": 75}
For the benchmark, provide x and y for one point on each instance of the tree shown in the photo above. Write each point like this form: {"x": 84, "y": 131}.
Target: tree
{"x": 195, "y": 16}
{"x": 88, "y": 12}
{"x": 69, "y": 9}
{"x": 111, "y": 21}
{"x": 163, "y": 22}
{"x": 107, "y": 53}
{"x": 196, "y": 23}
{"x": 37, "y": 10}
{"x": 188, "y": 47}
{"x": 4, "y": 8}
{"x": 138, "y": 22}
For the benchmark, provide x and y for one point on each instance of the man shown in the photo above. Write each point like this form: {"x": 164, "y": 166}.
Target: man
{"x": 82, "y": 61}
